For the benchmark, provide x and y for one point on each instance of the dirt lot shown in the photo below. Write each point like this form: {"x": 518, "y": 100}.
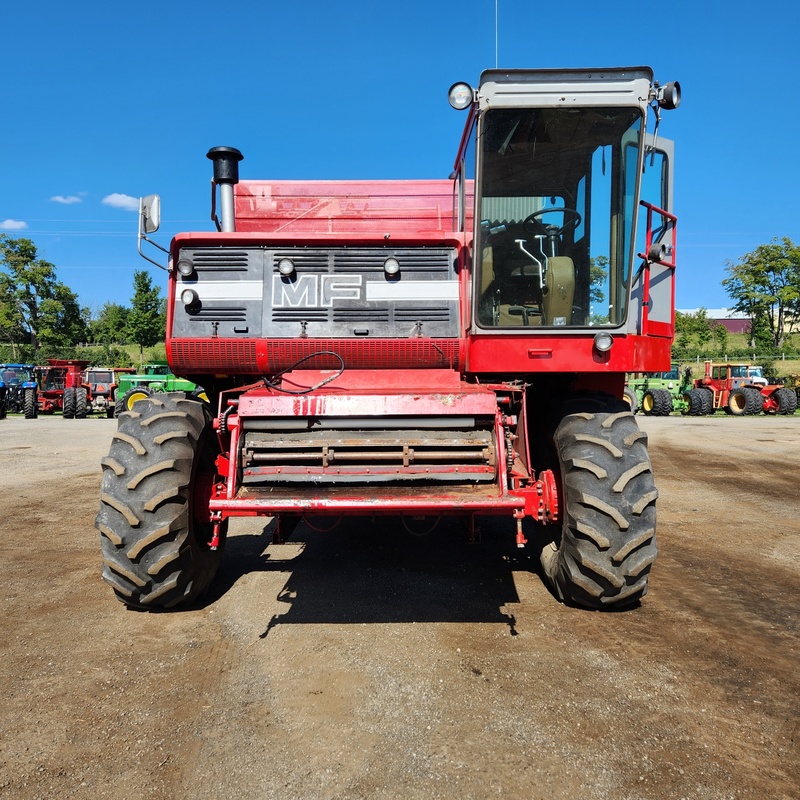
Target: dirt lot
{"x": 364, "y": 664}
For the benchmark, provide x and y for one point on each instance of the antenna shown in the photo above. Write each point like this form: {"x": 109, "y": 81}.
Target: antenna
{"x": 496, "y": 3}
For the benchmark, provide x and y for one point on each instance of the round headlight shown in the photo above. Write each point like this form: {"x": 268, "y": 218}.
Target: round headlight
{"x": 603, "y": 342}
{"x": 460, "y": 96}
{"x": 391, "y": 266}
{"x": 186, "y": 268}
{"x": 286, "y": 266}
{"x": 669, "y": 96}
{"x": 189, "y": 298}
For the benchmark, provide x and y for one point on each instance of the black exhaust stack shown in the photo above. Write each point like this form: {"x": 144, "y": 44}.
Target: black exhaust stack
{"x": 226, "y": 176}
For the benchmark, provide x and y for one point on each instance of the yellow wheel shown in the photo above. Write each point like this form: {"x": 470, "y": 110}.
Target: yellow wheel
{"x": 135, "y": 394}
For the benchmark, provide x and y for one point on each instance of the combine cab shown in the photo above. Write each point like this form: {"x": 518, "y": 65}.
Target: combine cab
{"x": 419, "y": 348}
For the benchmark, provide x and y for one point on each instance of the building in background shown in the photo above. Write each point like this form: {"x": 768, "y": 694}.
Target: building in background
{"x": 733, "y": 321}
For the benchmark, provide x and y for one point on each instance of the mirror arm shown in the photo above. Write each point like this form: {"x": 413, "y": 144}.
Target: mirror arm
{"x": 155, "y": 244}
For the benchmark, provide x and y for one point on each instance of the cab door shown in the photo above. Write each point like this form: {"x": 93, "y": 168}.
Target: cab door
{"x": 653, "y": 286}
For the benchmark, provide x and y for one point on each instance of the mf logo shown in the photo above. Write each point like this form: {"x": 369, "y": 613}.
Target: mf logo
{"x": 314, "y": 291}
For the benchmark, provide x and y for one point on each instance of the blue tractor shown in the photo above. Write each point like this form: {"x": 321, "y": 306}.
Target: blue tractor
{"x": 18, "y": 390}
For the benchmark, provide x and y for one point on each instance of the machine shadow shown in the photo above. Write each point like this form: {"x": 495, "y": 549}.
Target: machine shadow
{"x": 372, "y": 571}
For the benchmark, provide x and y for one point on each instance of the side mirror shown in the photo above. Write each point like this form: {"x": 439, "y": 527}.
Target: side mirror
{"x": 149, "y": 220}
{"x": 149, "y": 213}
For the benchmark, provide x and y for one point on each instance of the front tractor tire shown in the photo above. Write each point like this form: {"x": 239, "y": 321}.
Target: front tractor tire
{"x": 693, "y": 403}
{"x": 607, "y": 545}
{"x": 68, "y": 404}
{"x": 154, "y": 524}
{"x": 657, "y": 403}
{"x": 30, "y": 404}
{"x": 630, "y": 397}
{"x": 745, "y": 401}
{"x": 786, "y": 400}
{"x": 81, "y": 403}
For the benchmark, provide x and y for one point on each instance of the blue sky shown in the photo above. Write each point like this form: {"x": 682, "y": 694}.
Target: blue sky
{"x": 105, "y": 102}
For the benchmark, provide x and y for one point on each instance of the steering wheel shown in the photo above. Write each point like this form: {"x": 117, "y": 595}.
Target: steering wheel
{"x": 532, "y": 225}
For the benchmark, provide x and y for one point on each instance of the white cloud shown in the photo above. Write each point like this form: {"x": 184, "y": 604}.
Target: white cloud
{"x": 67, "y": 201}
{"x": 12, "y": 225}
{"x": 125, "y": 201}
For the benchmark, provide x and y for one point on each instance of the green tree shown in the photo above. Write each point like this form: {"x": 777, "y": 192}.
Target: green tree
{"x": 598, "y": 273}
{"x": 703, "y": 338}
{"x": 34, "y": 306}
{"x": 720, "y": 333}
{"x": 761, "y": 335}
{"x": 695, "y": 327}
{"x": 61, "y": 321}
{"x": 696, "y": 324}
{"x": 147, "y": 318}
{"x": 598, "y": 277}
{"x": 111, "y": 324}
{"x": 11, "y": 329}
{"x": 684, "y": 342}
{"x": 765, "y": 285}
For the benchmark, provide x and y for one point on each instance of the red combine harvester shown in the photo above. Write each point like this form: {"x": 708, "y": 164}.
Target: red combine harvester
{"x": 61, "y": 388}
{"x": 419, "y": 348}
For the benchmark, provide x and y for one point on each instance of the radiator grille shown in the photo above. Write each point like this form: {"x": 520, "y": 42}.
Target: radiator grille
{"x": 222, "y": 260}
{"x": 219, "y": 314}
{"x": 308, "y": 262}
{"x": 368, "y": 354}
{"x": 241, "y": 356}
{"x": 214, "y": 356}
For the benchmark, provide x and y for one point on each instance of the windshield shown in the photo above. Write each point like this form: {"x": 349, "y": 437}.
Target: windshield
{"x": 672, "y": 375}
{"x": 743, "y": 371}
{"x": 557, "y": 204}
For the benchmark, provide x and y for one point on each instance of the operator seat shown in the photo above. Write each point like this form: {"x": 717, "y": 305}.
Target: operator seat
{"x": 559, "y": 291}
{"x": 557, "y": 297}
{"x": 503, "y": 313}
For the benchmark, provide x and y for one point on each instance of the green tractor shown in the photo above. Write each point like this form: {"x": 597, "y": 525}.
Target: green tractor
{"x": 153, "y": 378}
{"x": 657, "y": 394}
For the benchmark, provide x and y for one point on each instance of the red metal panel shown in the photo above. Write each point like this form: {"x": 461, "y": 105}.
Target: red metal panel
{"x": 268, "y": 356}
{"x": 356, "y": 207}
{"x": 466, "y": 399}
{"x": 363, "y": 381}
{"x": 480, "y": 500}
{"x": 364, "y": 238}
{"x": 518, "y": 354}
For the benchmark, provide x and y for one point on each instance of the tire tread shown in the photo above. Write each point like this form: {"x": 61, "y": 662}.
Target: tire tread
{"x": 607, "y": 544}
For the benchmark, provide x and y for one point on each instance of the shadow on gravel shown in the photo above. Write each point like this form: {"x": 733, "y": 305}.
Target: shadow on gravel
{"x": 375, "y": 572}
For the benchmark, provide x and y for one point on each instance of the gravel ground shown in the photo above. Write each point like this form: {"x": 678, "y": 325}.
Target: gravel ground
{"x": 363, "y": 663}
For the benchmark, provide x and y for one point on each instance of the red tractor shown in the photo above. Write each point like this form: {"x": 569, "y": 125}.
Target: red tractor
{"x": 102, "y": 384}
{"x": 419, "y": 348}
{"x": 61, "y": 388}
{"x": 738, "y": 389}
